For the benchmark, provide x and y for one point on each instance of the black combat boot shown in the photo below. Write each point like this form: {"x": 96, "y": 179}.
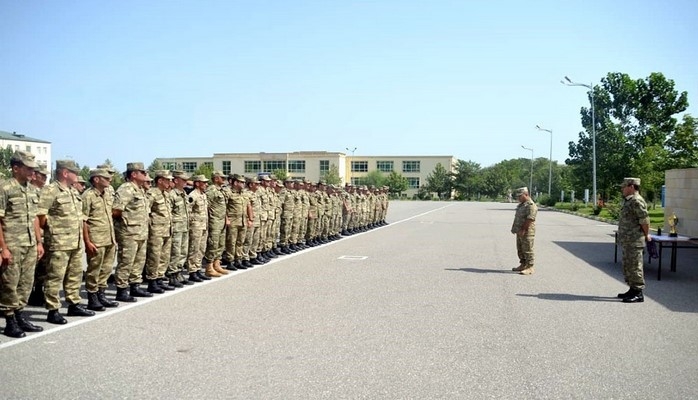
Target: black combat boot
{"x": 202, "y": 276}
{"x": 103, "y": 299}
{"x": 231, "y": 266}
{"x": 153, "y": 287}
{"x": 238, "y": 264}
{"x": 122, "y": 294}
{"x": 183, "y": 280}
{"x": 136, "y": 291}
{"x": 194, "y": 278}
{"x": 78, "y": 310}
{"x": 36, "y": 298}
{"x": 55, "y": 317}
{"x": 12, "y": 329}
{"x": 25, "y": 324}
{"x": 164, "y": 284}
{"x": 173, "y": 282}
{"x": 93, "y": 302}
{"x": 636, "y": 297}
{"x": 626, "y": 294}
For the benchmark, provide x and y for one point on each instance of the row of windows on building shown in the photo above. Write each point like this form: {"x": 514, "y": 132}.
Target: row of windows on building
{"x": 298, "y": 166}
{"x": 37, "y": 150}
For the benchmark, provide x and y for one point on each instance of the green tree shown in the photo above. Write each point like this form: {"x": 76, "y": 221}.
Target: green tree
{"x": 466, "y": 179}
{"x": 496, "y": 180}
{"x": 683, "y": 145}
{"x": 154, "y": 166}
{"x": 396, "y": 183}
{"x": 439, "y": 181}
{"x": 280, "y": 174}
{"x": 85, "y": 174}
{"x": 374, "y": 178}
{"x": 332, "y": 177}
{"x": 204, "y": 169}
{"x": 5, "y": 156}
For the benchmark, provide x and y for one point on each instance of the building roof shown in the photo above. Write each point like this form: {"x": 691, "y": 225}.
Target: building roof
{"x": 18, "y": 136}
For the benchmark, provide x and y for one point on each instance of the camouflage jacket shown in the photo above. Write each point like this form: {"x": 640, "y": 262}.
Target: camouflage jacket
{"x": 131, "y": 200}
{"x": 97, "y": 210}
{"x": 160, "y": 212}
{"x": 524, "y": 211}
{"x": 632, "y": 215}
{"x": 62, "y": 207}
{"x": 18, "y": 208}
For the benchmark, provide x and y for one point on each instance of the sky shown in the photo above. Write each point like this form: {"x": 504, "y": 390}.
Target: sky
{"x": 137, "y": 80}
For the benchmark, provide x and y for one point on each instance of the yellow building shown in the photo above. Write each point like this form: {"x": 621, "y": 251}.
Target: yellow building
{"x": 312, "y": 165}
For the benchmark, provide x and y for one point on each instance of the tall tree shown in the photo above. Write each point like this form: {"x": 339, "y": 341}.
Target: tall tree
{"x": 466, "y": 178}
{"x": 332, "y": 177}
{"x": 5, "y": 156}
{"x": 396, "y": 183}
{"x": 439, "y": 181}
{"x": 683, "y": 144}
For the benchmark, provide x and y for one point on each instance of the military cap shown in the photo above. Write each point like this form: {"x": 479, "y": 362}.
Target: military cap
{"x": 147, "y": 175}
{"x": 252, "y": 179}
{"x": 163, "y": 173}
{"x": 521, "y": 190}
{"x": 67, "y": 164}
{"x": 278, "y": 183}
{"x": 81, "y": 179}
{"x": 240, "y": 178}
{"x": 102, "y": 173}
{"x": 181, "y": 175}
{"x": 135, "y": 166}
{"x": 42, "y": 170}
{"x": 266, "y": 178}
{"x": 107, "y": 168}
{"x": 288, "y": 179}
{"x": 218, "y": 174}
{"x": 322, "y": 182}
{"x": 630, "y": 181}
{"x": 24, "y": 157}
{"x": 199, "y": 178}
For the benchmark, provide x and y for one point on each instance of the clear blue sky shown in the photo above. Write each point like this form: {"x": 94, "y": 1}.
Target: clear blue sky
{"x": 136, "y": 80}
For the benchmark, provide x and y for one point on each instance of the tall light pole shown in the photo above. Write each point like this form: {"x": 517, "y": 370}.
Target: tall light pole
{"x": 530, "y": 181}
{"x": 352, "y": 151}
{"x": 550, "y": 170}
{"x": 352, "y": 156}
{"x": 569, "y": 82}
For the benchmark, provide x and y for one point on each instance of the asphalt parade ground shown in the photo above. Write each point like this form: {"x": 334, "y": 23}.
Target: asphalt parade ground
{"x": 424, "y": 308}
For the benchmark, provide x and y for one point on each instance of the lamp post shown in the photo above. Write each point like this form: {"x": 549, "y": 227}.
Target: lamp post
{"x": 550, "y": 169}
{"x": 530, "y": 181}
{"x": 568, "y": 82}
{"x": 352, "y": 151}
{"x": 352, "y": 156}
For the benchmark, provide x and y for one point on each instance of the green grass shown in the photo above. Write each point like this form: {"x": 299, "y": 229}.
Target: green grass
{"x": 656, "y": 214}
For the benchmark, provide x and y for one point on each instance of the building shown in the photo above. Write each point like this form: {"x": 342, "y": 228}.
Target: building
{"x": 40, "y": 148}
{"x": 312, "y": 165}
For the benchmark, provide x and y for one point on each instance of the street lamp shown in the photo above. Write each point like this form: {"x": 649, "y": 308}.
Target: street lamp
{"x": 352, "y": 156}
{"x": 550, "y": 170}
{"x": 569, "y": 82}
{"x": 352, "y": 151}
{"x": 530, "y": 181}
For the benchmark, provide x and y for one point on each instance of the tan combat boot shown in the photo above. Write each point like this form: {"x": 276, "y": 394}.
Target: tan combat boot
{"x": 527, "y": 271}
{"x": 210, "y": 272}
{"x": 217, "y": 267}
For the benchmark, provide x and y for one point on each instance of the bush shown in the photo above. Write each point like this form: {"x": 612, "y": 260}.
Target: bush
{"x": 574, "y": 206}
{"x": 547, "y": 201}
{"x": 597, "y": 210}
{"x": 613, "y": 210}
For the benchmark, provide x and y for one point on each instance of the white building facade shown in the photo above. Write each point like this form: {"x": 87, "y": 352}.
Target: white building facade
{"x": 41, "y": 149}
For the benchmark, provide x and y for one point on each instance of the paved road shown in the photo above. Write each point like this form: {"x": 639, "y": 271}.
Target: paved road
{"x": 426, "y": 307}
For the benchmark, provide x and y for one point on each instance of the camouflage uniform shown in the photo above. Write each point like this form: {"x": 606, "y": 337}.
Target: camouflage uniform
{"x": 632, "y": 239}
{"x": 159, "y": 244}
{"x": 180, "y": 231}
{"x": 287, "y": 199}
{"x": 235, "y": 234}
{"x": 526, "y": 210}
{"x": 131, "y": 234}
{"x": 97, "y": 208}
{"x": 198, "y": 226}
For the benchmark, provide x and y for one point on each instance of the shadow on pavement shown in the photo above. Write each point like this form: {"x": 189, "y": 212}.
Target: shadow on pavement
{"x": 677, "y": 291}
{"x": 482, "y": 271}
{"x": 569, "y": 297}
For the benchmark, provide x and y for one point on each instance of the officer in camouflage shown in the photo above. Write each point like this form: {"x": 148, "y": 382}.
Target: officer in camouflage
{"x": 159, "y": 243}
{"x": 524, "y": 227}
{"x": 180, "y": 229}
{"x": 217, "y": 222}
{"x": 633, "y": 233}
{"x": 198, "y": 226}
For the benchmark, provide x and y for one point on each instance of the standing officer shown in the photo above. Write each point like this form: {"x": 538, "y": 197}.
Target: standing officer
{"x": 180, "y": 229}
{"x": 99, "y": 238}
{"x": 159, "y": 234}
{"x": 20, "y": 243}
{"x": 633, "y": 232}
{"x": 252, "y": 238}
{"x": 287, "y": 197}
{"x": 131, "y": 228}
{"x": 217, "y": 221}
{"x": 198, "y": 226}
{"x": 237, "y": 211}
{"x": 524, "y": 227}
{"x": 60, "y": 212}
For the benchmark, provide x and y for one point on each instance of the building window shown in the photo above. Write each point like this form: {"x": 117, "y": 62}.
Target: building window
{"x": 413, "y": 183}
{"x": 359, "y": 166}
{"x": 410, "y": 166}
{"x": 360, "y": 181}
{"x": 271, "y": 166}
{"x": 29, "y": 149}
{"x": 226, "y": 167}
{"x": 384, "y": 166}
{"x": 16, "y": 147}
{"x": 189, "y": 166}
{"x": 324, "y": 166}
{"x": 296, "y": 166}
{"x": 253, "y": 167}
{"x": 169, "y": 165}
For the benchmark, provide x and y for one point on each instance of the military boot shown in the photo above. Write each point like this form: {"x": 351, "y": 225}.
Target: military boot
{"x": 153, "y": 287}
{"x": 174, "y": 282}
{"x": 636, "y": 297}
{"x": 210, "y": 272}
{"x": 55, "y": 317}
{"x": 78, "y": 310}
{"x": 103, "y": 299}
{"x": 521, "y": 267}
{"x": 25, "y": 324}
{"x": 217, "y": 267}
{"x": 164, "y": 284}
{"x": 36, "y": 298}
{"x": 136, "y": 291}
{"x": 202, "y": 276}
{"x": 12, "y": 329}
{"x": 625, "y": 295}
{"x": 93, "y": 302}
{"x": 122, "y": 294}
{"x": 527, "y": 271}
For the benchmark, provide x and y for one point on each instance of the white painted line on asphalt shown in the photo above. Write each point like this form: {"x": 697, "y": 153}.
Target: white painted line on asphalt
{"x": 146, "y": 300}
{"x": 352, "y": 258}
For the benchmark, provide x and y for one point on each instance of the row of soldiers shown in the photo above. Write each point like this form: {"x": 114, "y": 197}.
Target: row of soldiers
{"x": 170, "y": 230}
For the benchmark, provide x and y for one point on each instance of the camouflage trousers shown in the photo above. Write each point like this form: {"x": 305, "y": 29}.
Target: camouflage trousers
{"x": 234, "y": 242}
{"x": 215, "y": 242}
{"x": 157, "y": 256}
{"x": 64, "y": 269}
{"x": 286, "y": 228}
{"x": 130, "y": 260}
{"x": 524, "y": 249}
{"x": 270, "y": 235}
{"x": 197, "y": 247}
{"x": 633, "y": 266}
{"x": 249, "y": 250}
{"x": 263, "y": 229}
{"x": 17, "y": 278}
{"x": 178, "y": 251}
{"x": 99, "y": 267}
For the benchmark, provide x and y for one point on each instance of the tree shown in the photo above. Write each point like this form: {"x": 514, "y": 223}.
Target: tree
{"x": 683, "y": 145}
{"x": 154, "y": 166}
{"x": 85, "y": 173}
{"x": 439, "y": 181}
{"x": 332, "y": 177}
{"x": 280, "y": 174}
{"x": 374, "y": 178}
{"x": 205, "y": 170}
{"x": 118, "y": 177}
{"x": 5, "y": 156}
{"x": 496, "y": 180}
{"x": 396, "y": 183}
{"x": 466, "y": 179}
